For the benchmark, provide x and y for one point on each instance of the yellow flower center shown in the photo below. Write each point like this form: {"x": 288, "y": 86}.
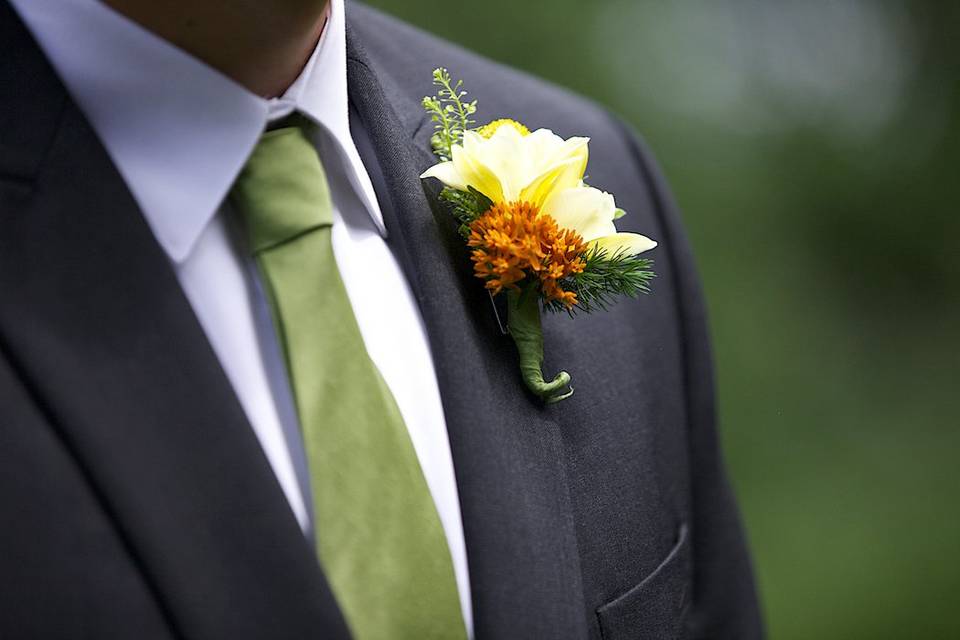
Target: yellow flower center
{"x": 490, "y": 128}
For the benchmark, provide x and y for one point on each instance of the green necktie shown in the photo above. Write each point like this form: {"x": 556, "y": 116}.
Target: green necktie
{"x": 379, "y": 537}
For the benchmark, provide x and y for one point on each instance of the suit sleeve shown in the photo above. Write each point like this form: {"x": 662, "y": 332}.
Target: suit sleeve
{"x": 725, "y": 605}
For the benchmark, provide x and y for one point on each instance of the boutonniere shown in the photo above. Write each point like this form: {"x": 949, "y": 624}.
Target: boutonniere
{"x": 537, "y": 232}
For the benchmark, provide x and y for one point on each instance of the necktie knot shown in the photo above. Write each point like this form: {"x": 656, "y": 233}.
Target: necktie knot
{"x": 282, "y": 191}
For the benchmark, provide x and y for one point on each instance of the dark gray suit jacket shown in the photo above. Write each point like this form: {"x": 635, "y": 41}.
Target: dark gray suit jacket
{"x": 137, "y": 503}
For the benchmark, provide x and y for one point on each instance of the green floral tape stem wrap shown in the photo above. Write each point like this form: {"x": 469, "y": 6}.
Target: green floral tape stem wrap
{"x": 523, "y": 321}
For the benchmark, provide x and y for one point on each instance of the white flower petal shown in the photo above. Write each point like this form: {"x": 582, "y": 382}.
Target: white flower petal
{"x": 586, "y": 210}
{"x": 547, "y": 149}
{"x": 627, "y": 243}
{"x": 556, "y": 178}
{"x": 446, "y": 173}
{"x": 506, "y": 158}
{"x": 477, "y": 174}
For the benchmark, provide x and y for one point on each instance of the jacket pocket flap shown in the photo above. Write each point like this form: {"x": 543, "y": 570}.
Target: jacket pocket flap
{"x": 652, "y": 610}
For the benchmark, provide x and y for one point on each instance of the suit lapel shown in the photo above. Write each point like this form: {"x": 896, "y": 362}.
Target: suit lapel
{"x": 95, "y": 322}
{"x": 508, "y": 452}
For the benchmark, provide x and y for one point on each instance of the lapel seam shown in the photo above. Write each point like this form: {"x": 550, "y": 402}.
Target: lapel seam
{"x": 415, "y": 130}
{"x": 54, "y": 422}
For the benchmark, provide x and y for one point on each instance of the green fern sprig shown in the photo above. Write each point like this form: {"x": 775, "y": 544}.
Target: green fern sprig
{"x": 466, "y": 206}
{"x": 604, "y": 279}
{"x": 449, "y": 113}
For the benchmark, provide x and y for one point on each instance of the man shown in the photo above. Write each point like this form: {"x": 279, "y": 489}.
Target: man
{"x": 249, "y": 387}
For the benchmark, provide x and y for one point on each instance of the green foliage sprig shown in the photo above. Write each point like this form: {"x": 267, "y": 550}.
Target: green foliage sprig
{"x": 604, "y": 279}
{"x": 466, "y": 206}
{"x": 448, "y": 112}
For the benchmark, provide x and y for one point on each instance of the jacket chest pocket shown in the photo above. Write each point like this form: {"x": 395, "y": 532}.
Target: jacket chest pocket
{"x": 654, "y": 608}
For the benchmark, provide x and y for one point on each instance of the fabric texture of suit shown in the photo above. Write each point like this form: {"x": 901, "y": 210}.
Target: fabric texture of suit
{"x": 137, "y": 502}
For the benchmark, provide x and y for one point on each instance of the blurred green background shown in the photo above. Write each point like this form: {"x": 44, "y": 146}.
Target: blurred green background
{"x": 815, "y": 150}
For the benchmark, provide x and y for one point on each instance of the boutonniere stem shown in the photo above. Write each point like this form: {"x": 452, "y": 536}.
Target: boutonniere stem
{"x": 523, "y": 322}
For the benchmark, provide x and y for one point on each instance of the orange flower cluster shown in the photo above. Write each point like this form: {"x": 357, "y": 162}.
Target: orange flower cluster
{"x": 512, "y": 240}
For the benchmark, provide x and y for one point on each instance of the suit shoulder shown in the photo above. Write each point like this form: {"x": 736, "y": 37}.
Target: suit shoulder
{"x": 410, "y": 55}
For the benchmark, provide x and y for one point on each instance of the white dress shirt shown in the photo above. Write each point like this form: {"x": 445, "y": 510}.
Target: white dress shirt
{"x": 179, "y": 133}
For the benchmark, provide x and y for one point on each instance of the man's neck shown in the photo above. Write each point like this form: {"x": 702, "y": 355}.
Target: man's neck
{"x": 261, "y": 45}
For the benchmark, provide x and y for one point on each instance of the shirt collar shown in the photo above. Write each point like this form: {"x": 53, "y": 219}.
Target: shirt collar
{"x": 321, "y": 94}
{"x": 180, "y": 132}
